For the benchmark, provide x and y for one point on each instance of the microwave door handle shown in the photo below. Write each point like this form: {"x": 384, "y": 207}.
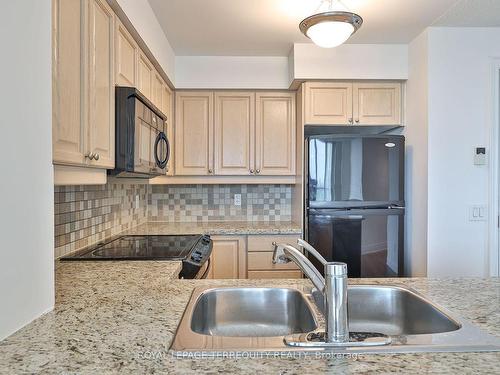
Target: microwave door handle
{"x": 162, "y": 163}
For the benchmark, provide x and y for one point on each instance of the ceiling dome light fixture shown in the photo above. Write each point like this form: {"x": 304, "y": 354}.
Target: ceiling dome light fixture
{"x": 332, "y": 25}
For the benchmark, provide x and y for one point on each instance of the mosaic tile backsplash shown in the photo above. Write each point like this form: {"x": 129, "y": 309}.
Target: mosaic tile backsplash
{"x": 205, "y": 203}
{"x": 87, "y": 214}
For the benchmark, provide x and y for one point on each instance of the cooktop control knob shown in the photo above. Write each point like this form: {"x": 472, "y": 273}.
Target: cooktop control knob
{"x": 205, "y": 239}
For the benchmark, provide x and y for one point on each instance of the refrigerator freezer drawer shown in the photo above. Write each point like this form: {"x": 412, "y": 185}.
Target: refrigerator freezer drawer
{"x": 370, "y": 241}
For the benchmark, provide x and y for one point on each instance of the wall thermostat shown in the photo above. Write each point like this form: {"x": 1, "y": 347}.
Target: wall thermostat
{"x": 480, "y": 156}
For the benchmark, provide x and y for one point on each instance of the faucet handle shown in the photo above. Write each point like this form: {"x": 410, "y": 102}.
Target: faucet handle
{"x": 279, "y": 255}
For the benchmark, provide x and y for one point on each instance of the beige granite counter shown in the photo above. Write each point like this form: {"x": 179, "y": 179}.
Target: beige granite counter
{"x": 120, "y": 317}
{"x": 217, "y": 228}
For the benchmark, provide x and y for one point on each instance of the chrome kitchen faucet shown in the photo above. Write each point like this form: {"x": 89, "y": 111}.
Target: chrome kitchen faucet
{"x": 333, "y": 286}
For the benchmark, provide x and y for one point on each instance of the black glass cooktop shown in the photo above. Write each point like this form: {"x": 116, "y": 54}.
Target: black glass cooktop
{"x": 140, "y": 248}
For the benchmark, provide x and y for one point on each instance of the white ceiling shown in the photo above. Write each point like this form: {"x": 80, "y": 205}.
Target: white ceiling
{"x": 270, "y": 27}
{"x": 472, "y": 13}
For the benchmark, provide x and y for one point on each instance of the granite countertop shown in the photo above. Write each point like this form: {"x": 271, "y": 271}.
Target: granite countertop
{"x": 120, "y": 317}
{"x": 217, "y": 228}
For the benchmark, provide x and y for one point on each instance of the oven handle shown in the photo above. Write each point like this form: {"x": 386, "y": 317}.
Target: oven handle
{"x": 205, "y": 274}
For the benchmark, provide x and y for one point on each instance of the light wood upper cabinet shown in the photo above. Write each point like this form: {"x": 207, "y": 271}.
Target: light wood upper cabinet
{"x": 145, "y": 76}
{"x": 126, "y": 55}
{"x": 228, "y": 259}
{"x": 157, "y": 90}
{"x": 68, "y": 125}
{"x": 194, "y": 133}
{"x": 101, "y": 81}
{"x": 253, "y": 134}
{"x": 234, "y": 133}
{"x": 328, "y": 103}
{"x": 353, "y": 103}
{"x": 377, "y": 103}
{"x": 167, "y": 102}
{"x": 275, "y": 133}
{"x": 83, "y": 83}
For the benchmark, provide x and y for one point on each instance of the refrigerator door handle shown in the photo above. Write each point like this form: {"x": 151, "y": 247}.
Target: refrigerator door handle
{"x": 396, "y": 207}
{"x": 357, "y": 212}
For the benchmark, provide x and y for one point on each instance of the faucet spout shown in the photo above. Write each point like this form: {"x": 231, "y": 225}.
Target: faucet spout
{"x": 284, "y": 253}
{"x": 333, "y": 286}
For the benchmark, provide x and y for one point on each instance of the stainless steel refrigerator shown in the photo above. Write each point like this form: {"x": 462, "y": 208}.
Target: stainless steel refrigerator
{"x": 355, "y": 202}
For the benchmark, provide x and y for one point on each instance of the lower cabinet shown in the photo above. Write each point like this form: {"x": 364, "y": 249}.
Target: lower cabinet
{"x": 241, "y": 257}
{"x": 274, "y": 274}
{"x": 228, "y": 259}
{"x": 260, "y": 258}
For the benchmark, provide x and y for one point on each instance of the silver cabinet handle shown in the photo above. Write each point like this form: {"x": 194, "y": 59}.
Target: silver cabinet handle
{"x": 350, "y": 120}
{"x": 96, "y": 157}
{"x": 357, "y": 121}
{"x": 251, "y": 171}
{"x": 209, "y": 171}
{"x": 257, "y": 171}
{"x": 90, "y": 156}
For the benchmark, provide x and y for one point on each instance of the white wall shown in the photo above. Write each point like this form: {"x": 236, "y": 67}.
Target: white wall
{"x": 230, "y": 72}
{"x": 26, "y": 217}
{"x": 460, "y": 89}
{"x": 350, "y": 61}
{"x": 140, "y": 13}
{"x": 416, "y": 134}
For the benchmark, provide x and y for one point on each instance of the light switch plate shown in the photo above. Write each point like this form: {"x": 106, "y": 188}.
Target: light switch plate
{"x": 136, "y": 201}
{"x": 478, "y": 213}
{"x": 237, "y": 199}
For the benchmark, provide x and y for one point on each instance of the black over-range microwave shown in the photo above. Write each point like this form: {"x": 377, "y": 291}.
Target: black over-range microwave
{"x": 141, "y": 145}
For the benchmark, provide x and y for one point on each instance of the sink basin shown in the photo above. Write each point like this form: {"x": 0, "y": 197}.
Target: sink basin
{"x": 283, "y": 319}
{"x": 392, "y": 311}
{"x": 252, "y": 312}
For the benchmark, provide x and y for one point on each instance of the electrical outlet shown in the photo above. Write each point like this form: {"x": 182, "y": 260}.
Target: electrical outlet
{"x": 136, "y": 201}
{"x": 237, "y": 199}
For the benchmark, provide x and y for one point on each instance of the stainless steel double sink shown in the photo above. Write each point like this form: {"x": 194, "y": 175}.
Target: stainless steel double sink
{"x": 283, "y": 319}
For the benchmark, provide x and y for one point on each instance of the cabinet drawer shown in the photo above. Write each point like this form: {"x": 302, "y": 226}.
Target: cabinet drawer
{"x": 265, "y": 243}
{"x": 263, "y": 260}
{"x": 274, "y": 274}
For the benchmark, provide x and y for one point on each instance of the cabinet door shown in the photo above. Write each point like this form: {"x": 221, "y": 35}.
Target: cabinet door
{"x": 228, "y": 259}
{"x": 68, "y": 127}
{"x": 145, "y": 76}
{"x": 157, "y": 90}
{"x": 234, "y": 133}
{"x": 126, "y": 51}
{"x": 101, "y": 92}
{"x": 328, "y": 103}
{"x": 167, "y": 108}
{"x": 377, "y": 103}
{"x": 275, "y": 134}
{"x": 194, "y": 133}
